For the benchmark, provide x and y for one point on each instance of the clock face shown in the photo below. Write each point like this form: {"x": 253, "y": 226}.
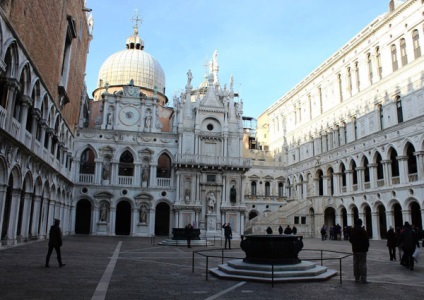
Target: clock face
{"x": 129, "y": 116}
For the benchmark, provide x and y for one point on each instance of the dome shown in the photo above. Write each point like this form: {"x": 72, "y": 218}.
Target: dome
{"x": 134, "y": 64}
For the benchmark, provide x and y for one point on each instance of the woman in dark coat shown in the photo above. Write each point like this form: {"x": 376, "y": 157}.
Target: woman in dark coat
{"x": 391, "y": 243}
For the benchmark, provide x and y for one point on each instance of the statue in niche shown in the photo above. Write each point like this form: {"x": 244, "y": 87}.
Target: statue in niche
{"x": 143, "y": 215}
{"x": 106, "y": 170}
{"x": 187, "y": 196}
{"x": 211, "y": 202}
{"x": 109, "y": 118}
{"x": 233, "y": 194}
{"x": 148, "y": 121}
{"x": 145, "y": 175}
{"x": 103, "y": 213}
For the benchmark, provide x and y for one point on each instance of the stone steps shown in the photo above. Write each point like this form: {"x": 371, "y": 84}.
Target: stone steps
{"x": 304, "y": 271}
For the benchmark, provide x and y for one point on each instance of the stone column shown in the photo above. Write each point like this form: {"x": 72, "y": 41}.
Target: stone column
{"x": 403, "y": 169}
{"x": 26, "y": 211}
{"x": 325, "y": 186}
{"x": 361, "y": 178}
{"x": 152, "y": 221}
{"x": 73, "y": 216}
{"x": 25, "y": 103}
{"x": 337, "y": 177}
{"x": 349, "y": 180}
{"x": 373, "y": 175}
{"x": 152, "y": 177}
{"x": 375, "y": 226}
{"x": 389, "y": 218}
{"x": 406, "y": 215}
{"x": 35, "y": 215}
{"x": 420, "y": 165}
{"x": 134, "y": 221}
{"x": 13, "y": 217}
{"x": 387, "y": 171}
{"x": 112, "y": 220}
{"x": 349, "y": 219}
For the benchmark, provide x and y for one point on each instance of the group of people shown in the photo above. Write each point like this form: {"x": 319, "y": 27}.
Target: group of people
{"x": 287, "y": 230}
{"x": 406, "y": 240}
{"x": 335, "y": 232}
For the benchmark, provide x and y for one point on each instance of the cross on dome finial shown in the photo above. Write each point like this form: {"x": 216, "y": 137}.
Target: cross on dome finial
{"x": 135, "y": 20}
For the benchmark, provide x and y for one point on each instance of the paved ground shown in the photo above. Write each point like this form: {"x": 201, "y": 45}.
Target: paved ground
{"x": 134, "y": 268}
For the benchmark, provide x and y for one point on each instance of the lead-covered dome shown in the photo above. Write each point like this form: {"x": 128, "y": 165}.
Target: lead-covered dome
{"x": 134, "y": 64}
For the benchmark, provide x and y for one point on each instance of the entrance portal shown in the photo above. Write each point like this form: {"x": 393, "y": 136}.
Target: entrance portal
{"x": 123, "y": 218}
{"x": 162, "y": 219}
{"x": 83, "y": 217}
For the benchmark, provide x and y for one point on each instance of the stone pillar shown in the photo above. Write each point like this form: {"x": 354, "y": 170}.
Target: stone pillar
{"x": 375, "y": 226}
{"x": 152, "y": 221}
{"x": 361, "y": 178}
{"x": 349, "y": 180}
{"x": 389, "y": 218}
{"x": 73, "y": 216}
{"x": 25, "y": 103}
{"x": 316, "y": 187}
{"x": 337, "y": 177}
{"x": 403, "y": 169}
{"x": 325, "y": 186}
{"x": 134, "y": 221}
{"x": 98, "y": 170}
{"x": 26, "y": 211}
{"x": 349, "y": 219}
{"x": 35, "y": 215}
{"x": 152, "y": 177}
{"x": 112, "y": 220}
{"x": 406, "y": 215}
{"x": 420, "y": 165}
{"x": 387, "y": 171}
{"x": 14, "y": 216}
{"x": 373, "y": 175}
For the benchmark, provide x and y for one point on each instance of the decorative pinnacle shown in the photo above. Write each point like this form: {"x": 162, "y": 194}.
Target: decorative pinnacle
{"x": 135, "y": 19}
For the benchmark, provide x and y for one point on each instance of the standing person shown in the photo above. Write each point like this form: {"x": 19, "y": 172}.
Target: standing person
{"x": 294, "y": 230}
{"x": 228, "y": 233}
{"x": 189, "y": 234}
{"x": 408, "y": 241}
{"x": 323, "y": 232}
{"x": 288, "y": 230}
{"x": 55, "y": 242}
{"x": 280, "y": 229}
{"x": 391, "y": 243}
{"x": 358, "y": 237}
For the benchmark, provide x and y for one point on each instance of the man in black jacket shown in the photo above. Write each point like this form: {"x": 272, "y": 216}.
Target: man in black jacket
{"x": 55, "y": 242}
{"x": 358, "y": 237}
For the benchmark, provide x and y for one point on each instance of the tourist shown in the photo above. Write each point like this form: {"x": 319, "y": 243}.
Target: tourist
{"x": 358, "y": 237}
{"x": 269, "y": 230}
{"x": 288, "y": 230}
{"x": 408, "y": 241}
{"x": 189, "y": 234}
{"x": 280, "y": 229}
{"x": 323, "y": 232}
{"x": 55, "y": 242}
{"x": 228, "y": 233}
{"x": 391, "y": 243}
{"x": 294, "y": 230}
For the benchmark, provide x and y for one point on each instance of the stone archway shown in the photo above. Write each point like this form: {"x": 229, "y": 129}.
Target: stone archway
{"x": 83, "y": 217}
{"x": 123, "y": 218}
{"x": 397, "y": 214}
{"x": 253, "y": 214}
{"x": 382, "y": 220}
{"x": 329, "y": 217}
{"x": 416, "y": 215}
{"x": 162, "y": 219}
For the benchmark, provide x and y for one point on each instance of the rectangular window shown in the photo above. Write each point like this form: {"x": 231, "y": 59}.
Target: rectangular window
{"x": 211, "y": 178}
{"x": 296, "y": 220}
{"x": 303, "y": 220}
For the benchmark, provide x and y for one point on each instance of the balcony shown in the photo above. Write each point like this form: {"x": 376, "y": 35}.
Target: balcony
{"x": 164, "y": 182}
{"x": 216, "y": 161}
{"x": 413, "y": 177}
{"x": 125, "y": 180}
{"x": 86, "y": 178}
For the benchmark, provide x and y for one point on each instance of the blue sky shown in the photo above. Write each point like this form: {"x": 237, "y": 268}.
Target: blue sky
{"x": 267, "y": 45}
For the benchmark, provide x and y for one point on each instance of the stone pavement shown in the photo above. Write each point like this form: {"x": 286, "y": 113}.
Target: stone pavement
{"x": 135, "y": 268}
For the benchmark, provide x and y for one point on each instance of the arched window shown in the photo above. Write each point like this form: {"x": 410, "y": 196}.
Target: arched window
{"x": 253, "y": 188}
{"x": 354, "y": 173}
{"x": 320, "y": 177}
{"x": 330, "y": 180}
{"x": 87, "y": 164}
{"x": 366, "y": 171}
{"x": 380, "y": 173}
{"x": 343, "y": 171}
{"x": 399, "y": 109}
{"x": 412, "y": 163}
{"x": 379, "y": 65}
{"x": 394, "y": 163}
{"x": 369, "y": 62}
{"x": 403, "y": 54}
{"x": 164, "y": 166}
{"x": 280, "y": 189}
{"x": 395, "y": 64}
{"x": 267, "y": 189}
{"x": 126, "y": 164}
{"x": 416, "y": 43}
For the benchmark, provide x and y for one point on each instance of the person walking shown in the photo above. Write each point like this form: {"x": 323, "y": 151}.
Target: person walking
{"x": 189, "y": 234}
{"x": 55, "y": 242}
{"x": 228, "y": 233}
{"x": 391, "y": 243}
{"x": 323, "y": 232}
{"x": 280, "y": 229}
{"x": 408, "y": 241}
{"x": 358, "y": 237}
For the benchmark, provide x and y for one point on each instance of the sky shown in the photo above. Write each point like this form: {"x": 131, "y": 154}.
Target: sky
{"x": 267, "y": 45}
